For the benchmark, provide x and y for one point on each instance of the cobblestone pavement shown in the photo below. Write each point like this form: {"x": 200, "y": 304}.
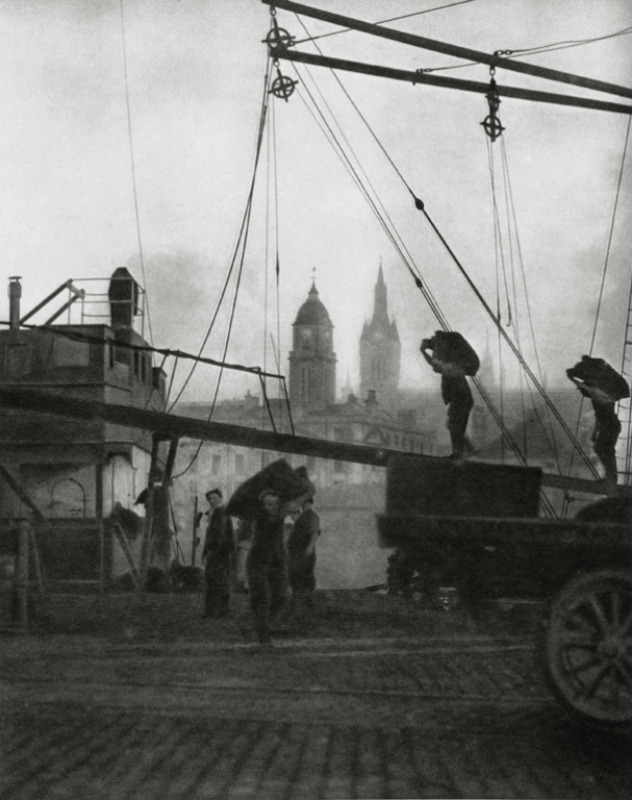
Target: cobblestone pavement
{"x": 445, "y": 716}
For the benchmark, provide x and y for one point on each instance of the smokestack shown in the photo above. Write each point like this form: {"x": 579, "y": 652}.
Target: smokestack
{"x": 15, "y": 293}
{"x": 123, "y": 297}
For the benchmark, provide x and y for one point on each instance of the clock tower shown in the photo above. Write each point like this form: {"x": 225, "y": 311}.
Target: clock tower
{"x": 380, "y": 350}
{"x": 312, "y": 359}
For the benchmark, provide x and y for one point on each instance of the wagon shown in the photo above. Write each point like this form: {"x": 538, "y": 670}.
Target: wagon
{"x": 474, "y": 526}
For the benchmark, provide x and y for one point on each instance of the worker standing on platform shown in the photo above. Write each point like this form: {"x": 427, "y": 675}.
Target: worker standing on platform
{"x": 449, "y": 354}
{"x": 603, "y": 385}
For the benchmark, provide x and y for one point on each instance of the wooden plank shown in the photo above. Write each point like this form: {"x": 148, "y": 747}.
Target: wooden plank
{"x": 497, "y": 531}
{"x": 173, "y": 425}
{"x": 460, "y": 84}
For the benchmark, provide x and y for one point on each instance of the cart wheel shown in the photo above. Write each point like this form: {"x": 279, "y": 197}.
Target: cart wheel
{"x": 587, "y": 647}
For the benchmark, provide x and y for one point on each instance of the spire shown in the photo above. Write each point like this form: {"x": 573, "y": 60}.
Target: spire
{"x": 380, "y": 304}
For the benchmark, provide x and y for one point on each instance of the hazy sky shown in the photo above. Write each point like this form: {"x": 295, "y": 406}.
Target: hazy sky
{"x": 195, "y": 71}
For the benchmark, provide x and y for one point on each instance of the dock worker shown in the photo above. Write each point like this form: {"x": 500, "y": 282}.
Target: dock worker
{"x": 301, "y": 546}
{"x": 216, "y": 554}
{"x": 599, "y": 382}
{"x": 267, "y": 564}
{"x": 451, "y": 356}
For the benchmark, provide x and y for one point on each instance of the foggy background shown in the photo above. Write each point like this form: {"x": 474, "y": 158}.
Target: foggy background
{"x": 195, "y": 72}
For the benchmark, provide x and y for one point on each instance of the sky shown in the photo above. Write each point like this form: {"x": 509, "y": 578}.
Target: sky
{"x": 128, "y": 137}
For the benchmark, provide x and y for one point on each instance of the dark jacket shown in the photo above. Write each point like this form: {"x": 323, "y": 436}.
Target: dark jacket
{"x": 219, "y": 534}
{"x": 306, "y": 529}
{"x": 267, "y": 540}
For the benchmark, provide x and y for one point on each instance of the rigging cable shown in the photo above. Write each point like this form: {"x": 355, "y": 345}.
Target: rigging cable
{"x": 407, "y": 260}
{"x": 606, "y": 263}
{"x": 237, "y": 242}
{"x": 382, "y": 217}
{"x": 509, "y": 341}
{"x": 549, "y": 48}
{"x": 133, "y": 167}
{"x": 399, "y": 245}
{"x": 499, "y": 259}
{"x": 277, "y": 261}
{"x": 531, "y": 50}
{"x": 512, "y": 228}
{"x": 171, "y": 379}
{"x": 499, "y": 248}
{"x": 610, "y": 234}
{"x": 525, "y": 293}
{"x": 86, "y": 337}
{"x": 243, "y": 237}
{"x": 344, "y": 158}
{"x": 383, "y": 21}
{"x": 420, "y": 206}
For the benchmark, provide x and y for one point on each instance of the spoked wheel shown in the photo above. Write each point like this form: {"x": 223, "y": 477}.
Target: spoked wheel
{"x": 587, "y": 647}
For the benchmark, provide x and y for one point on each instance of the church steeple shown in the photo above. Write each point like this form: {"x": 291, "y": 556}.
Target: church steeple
{"x": 380, "y": 348}
{"x": 380, "y": 301}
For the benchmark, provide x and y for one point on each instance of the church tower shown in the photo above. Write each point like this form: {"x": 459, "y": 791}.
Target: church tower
{"x": 380, "y": 350}
{"x": 312, "y": 359}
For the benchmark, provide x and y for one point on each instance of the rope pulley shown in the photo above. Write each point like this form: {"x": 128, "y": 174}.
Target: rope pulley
{"x": 491, "y": 123}
{"x": 282, "y": 86}
{"x": 279, "y": 39}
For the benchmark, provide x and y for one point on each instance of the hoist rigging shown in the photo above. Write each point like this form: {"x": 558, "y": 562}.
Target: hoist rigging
{"x": 493, "y": 60}
{"x": 396, "y": 239}
{"x": 281, "y": 44}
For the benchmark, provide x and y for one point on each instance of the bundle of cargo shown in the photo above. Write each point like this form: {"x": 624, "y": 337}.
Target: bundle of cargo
{"x": 452, "y": 354}
{"x": 288, "y": 483}
{"x": 601, "y": 381}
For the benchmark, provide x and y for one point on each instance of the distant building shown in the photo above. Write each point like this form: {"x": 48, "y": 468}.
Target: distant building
{"x": 312, "y": 358}
{"x": 380, "y": 350}
{"x": 315, "y": 413}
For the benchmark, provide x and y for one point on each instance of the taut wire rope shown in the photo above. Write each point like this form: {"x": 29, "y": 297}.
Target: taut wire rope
{"x": 420, "y": 285}
{"x": 133, "y": 168}
{"x": 606, "y": 264}
{"x": 239, "y": 237}
{"x": 241, "y": 246}
{"x": 405, "y": 256}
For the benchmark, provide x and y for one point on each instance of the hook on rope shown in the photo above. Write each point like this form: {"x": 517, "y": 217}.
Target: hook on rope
{"x": 491, "y": 124}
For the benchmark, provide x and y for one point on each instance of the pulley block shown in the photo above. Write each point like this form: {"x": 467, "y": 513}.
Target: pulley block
{"x": 278, "y": 38}
{"x": 283, "y": 87}
{"x": 492, "y": 126}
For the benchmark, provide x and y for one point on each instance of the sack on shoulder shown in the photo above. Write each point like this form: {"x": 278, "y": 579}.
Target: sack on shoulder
{"x": 453, "y": 348}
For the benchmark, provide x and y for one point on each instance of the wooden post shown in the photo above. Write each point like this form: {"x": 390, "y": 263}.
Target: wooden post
{"x": 21, "y": 583}
{"x": 147, "y": 543}
{"x": 196, "y": 527}
{"x": 98, "y": 501}
{"x": 34, "y": 551}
